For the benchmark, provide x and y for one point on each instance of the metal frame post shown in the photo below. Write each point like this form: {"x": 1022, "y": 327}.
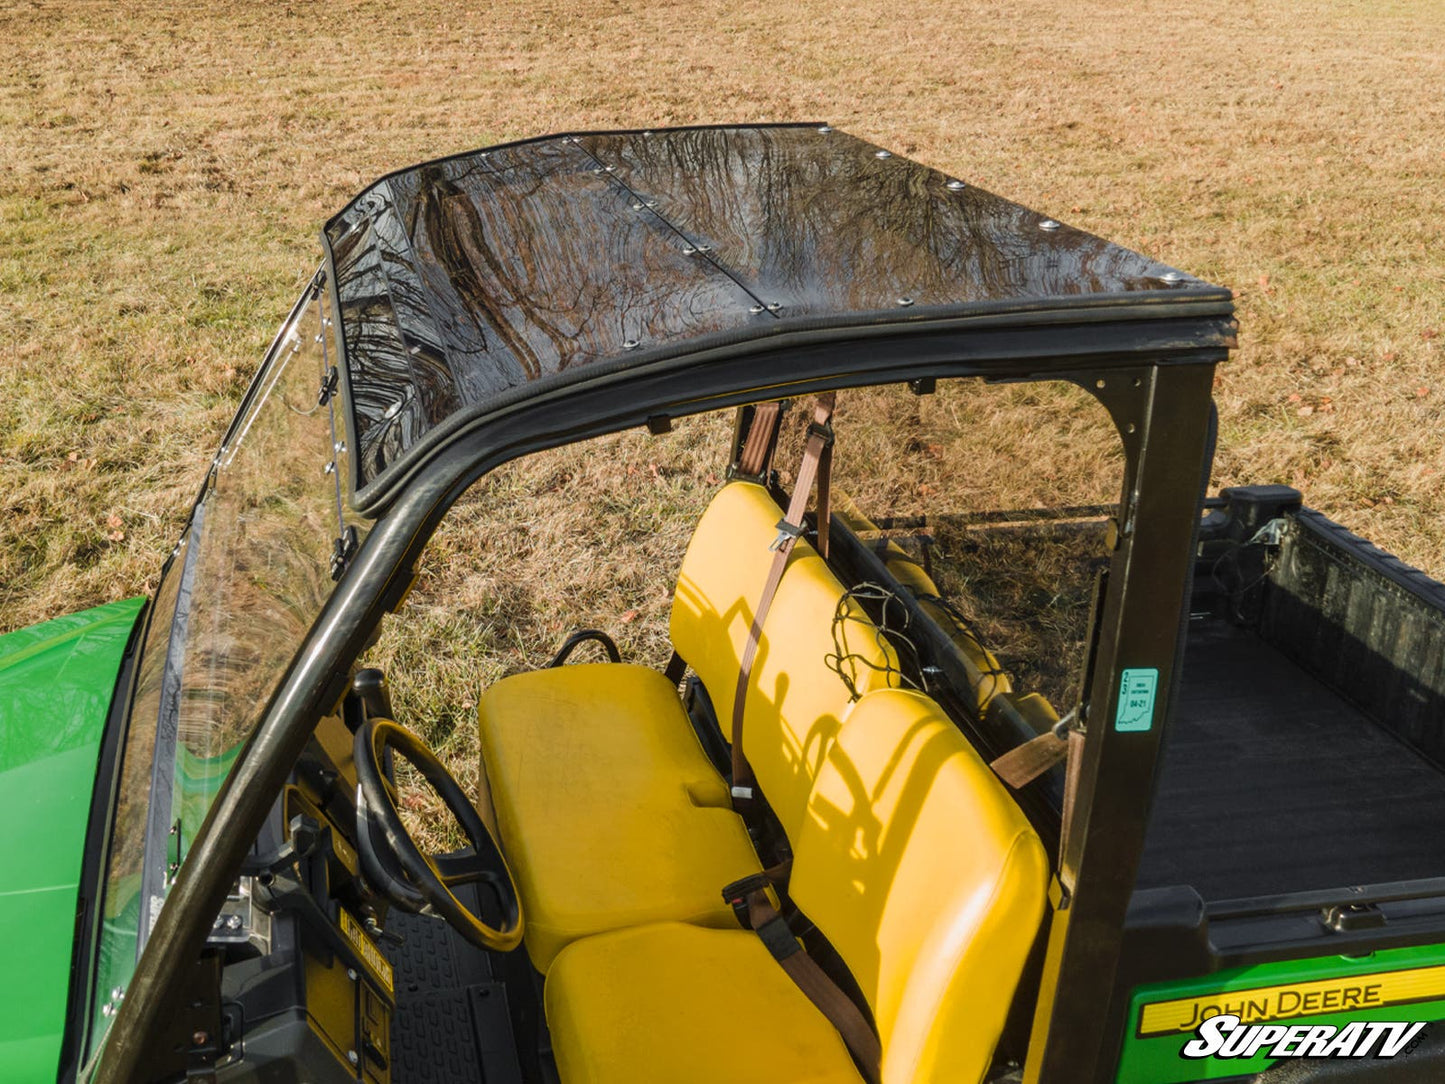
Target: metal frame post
{"x": 1163, "y": 417}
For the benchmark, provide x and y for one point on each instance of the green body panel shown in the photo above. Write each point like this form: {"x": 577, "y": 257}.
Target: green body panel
{"x": 56, "y": 684}
{"x": 1157, "y": 1059}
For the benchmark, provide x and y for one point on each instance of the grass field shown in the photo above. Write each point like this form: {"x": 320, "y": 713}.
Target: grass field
{"x": 163, "y": 176}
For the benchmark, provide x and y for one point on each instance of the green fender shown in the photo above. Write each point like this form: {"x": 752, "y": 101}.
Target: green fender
{"x": 57, "y": 680}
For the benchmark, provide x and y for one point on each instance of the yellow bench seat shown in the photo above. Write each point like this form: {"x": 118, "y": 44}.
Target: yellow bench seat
{"x": 914, "y": 863}
{"x": 609, "y": 811}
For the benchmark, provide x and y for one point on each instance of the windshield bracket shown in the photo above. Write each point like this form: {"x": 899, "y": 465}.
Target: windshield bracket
{"x": 342, "y": 551}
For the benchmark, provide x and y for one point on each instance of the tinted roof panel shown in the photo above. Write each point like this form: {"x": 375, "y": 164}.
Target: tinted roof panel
{"x": 468, "y": 282}
{"x": 822, "y": 223}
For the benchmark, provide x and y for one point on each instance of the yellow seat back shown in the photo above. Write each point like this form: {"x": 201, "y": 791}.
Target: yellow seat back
{"x": 922, "y": 872}
{"x": 719, "y": 585}
{"x": 797, "y": 698}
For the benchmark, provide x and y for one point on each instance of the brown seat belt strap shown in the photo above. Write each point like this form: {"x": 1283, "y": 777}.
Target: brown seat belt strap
{"x": 829, "y": 998}
{"x": 817, "y": 464}
{"x": 753, "y": 460}
{"x": 1024, "y": 763}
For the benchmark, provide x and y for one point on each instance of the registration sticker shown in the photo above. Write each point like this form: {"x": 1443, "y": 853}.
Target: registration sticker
{"x": 367, "y": 949}
{"x": 1135, "y": 713}
{"x": 1346, "y": 994}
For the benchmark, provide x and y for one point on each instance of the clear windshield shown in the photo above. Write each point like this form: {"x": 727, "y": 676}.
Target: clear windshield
{"x": 247, "y": 580}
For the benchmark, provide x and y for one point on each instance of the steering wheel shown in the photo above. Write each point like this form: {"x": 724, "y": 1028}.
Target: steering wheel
{"x": 418, "y": 882}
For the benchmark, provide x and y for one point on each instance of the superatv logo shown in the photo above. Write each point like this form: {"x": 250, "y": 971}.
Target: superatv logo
{"x": 1226, "y": 1037}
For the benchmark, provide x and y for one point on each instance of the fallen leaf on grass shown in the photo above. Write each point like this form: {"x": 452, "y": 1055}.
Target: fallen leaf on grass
{"x": 631, "y": 616}
{"x": 116, "y": 536}
{"x": 114, "y": 522}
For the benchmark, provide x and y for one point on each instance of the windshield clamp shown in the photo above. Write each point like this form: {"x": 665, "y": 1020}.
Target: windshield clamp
{"x": 329, "y": 383}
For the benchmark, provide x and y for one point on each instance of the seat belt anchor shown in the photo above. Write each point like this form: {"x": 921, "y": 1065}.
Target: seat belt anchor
{"x": 745, "y": 793}
{"x": 824, "y": 431}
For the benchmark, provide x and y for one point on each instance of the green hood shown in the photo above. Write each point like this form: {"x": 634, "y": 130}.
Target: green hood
{"x": 56, "y": 684}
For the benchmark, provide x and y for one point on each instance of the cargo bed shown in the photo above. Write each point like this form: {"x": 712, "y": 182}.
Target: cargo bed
{"x": 1273, "y": 783}
{"x": 1306, "y": 749}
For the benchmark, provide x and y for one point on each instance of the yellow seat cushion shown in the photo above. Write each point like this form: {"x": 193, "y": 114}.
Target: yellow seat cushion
{"x": 670, "y": 1003}
{"x": 926, "y": 878}
{"x": 609, "y": 812}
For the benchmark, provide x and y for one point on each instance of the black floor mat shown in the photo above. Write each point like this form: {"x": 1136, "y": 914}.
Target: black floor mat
{"x": 451, "y": 1024}
{"x": 1271, "y": 783}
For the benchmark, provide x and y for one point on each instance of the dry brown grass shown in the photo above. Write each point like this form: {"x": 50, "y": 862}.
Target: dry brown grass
{"x": 163, "y": 176}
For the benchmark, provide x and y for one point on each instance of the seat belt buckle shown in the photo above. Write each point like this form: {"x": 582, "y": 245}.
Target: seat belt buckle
{"x": 738, "y": 891}
{"x": 743, "y": 793}
{"x": 786, "y": 532}
{"x": 736, "y": 894}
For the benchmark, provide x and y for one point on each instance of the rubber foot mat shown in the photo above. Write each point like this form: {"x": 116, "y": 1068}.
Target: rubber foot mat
{"x": 451, "y": 1024}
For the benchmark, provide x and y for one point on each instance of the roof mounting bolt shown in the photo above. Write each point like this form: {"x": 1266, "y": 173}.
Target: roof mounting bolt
{"x": 755, "y": 308}
{"x": 649, "y": 203}
{"x": 351, "y": 973}
{"x": 904, "y": 302}
{"x": 339, "y": 447}
{"x": 825, "y": 129}
{"x": 1173, "y": 278}
{"x": 688, "y": 250}
{"x": 956, "y": 186}
{"x": 882, "y": 154}
{"x": 630, "y": 344}
{"x": 117, "y": 993}
{"x": 774, "y": 306}
{"x": 352, "y": 1057}
{"x": 609, "y": 169}
{"x": 1048, "y": 224}
{"x": 330, "y": 468}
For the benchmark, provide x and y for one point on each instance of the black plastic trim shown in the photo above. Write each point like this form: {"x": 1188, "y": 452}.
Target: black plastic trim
{"x": 79, "y": 1002}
